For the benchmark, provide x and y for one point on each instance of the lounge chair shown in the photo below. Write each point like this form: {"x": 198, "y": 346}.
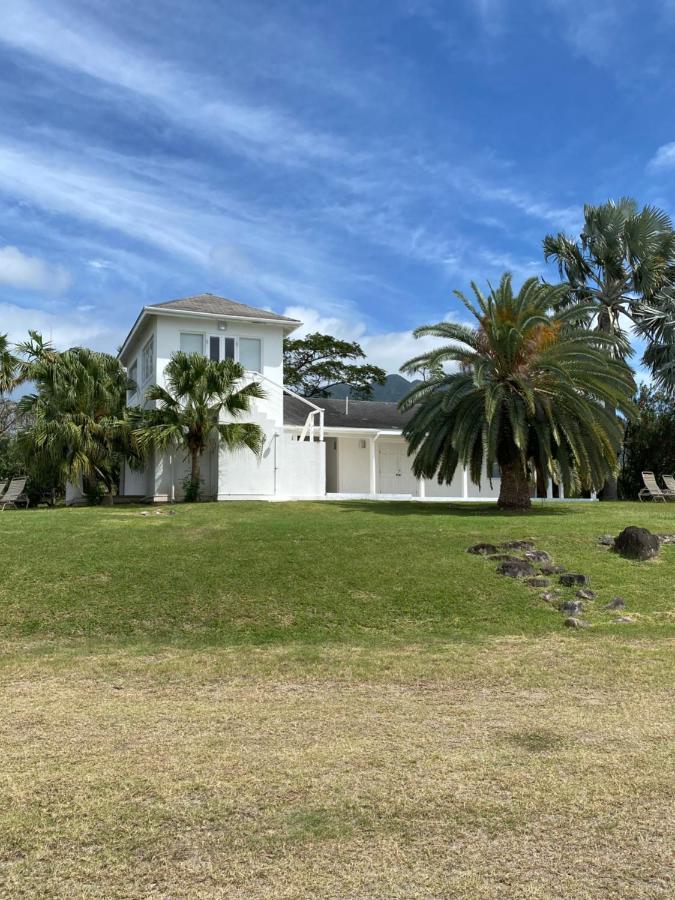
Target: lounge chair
{"x": 3, "y": 489}
{"x": 669, "y": 481}
{"x": 651, "y": 488}
{"x": 14, "y": 494}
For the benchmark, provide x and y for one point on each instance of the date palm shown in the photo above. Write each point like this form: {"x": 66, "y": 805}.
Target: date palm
{"x": 199, "y": 393}
{"x": 623, "y": 265}
{"x": 532, "y": 392}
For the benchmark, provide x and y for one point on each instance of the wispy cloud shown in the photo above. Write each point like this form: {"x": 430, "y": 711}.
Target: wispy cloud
{"x": 663, "y": 159}
{"x": 26, "y": 272}
{"x": 64, "y": 328}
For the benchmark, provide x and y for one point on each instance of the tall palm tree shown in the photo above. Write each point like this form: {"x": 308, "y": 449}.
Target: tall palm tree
{"x": 77, "y": 412}
{"x": 188, "y": 414}
{"x": 533, "y": 392}
{"x": 623, "y": 265}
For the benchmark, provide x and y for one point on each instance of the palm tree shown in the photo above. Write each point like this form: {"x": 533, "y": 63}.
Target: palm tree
{"x": 188, "y": 414}
{"x": 533, "y": 393}
{"x": 9, "y": 365}
{"x": 79, "y": 427}
{"x": 623, "y": 265}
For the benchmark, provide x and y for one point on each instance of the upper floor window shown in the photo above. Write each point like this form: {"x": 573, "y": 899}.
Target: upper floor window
{"x": 192, "y": 343}
{"x": 250, "y": 354}
{"x": 147, "y": 359}
{"x": 248, "y": 351}
{"x": 133, "y": 377}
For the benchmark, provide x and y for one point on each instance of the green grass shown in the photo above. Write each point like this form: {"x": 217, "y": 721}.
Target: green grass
{"x": 330, "y": 700}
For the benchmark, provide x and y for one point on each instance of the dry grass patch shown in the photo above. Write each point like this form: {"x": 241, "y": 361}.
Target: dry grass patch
{"x": 513, "y": 768}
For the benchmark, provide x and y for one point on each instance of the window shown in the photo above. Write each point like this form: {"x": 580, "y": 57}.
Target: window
{"x": 192, "y": 343}
{"x": 214, "y": 349}
{"x": 229, "y": 348}
{"x": 132, "y": 372}
{"x": 218, "y": 351}
{"x": 147, "y": 359}
{"x": 249, "y": 354}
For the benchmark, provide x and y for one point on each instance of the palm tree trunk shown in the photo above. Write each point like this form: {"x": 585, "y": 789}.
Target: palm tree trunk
{"x": 514, "y": 492}
{"x": 196, "y": 464}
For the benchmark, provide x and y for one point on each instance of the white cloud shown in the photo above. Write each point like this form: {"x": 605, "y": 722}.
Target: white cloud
{"x": 19, "y": 270}
{"x": 663, "y": 159}
{"x": 386, "y": 349}
{"x": 64, "y": 329}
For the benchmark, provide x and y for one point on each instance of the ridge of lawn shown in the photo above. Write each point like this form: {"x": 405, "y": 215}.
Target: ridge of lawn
{"x": 363, "y": 573}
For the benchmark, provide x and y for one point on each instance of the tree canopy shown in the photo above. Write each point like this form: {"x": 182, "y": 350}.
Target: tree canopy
{"x": 316, "y": 363}
{"x": 531, "y": 391}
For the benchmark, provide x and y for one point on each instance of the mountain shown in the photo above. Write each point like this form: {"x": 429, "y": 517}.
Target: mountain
{"x": 394, "y": 388}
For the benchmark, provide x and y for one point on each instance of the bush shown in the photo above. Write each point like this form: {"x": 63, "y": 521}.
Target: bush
{"x": 649, "y": 442}
{"x": 192, "y": 490}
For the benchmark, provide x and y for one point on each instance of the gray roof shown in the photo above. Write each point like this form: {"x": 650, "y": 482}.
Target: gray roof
{"x": 220, "y": 306}
{"x": 362, "y": 413}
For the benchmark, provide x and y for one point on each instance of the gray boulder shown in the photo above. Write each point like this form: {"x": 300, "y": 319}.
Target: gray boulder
{"x": 572, "y": 606}
{"x": 573, "y": 578}
{"x": 616, "y": 603}
{"x": 538, "y": 556}
{"x": 572, "y": 622}
{"x": 586, "y": 594}
{"x": 637, "y": 543}
{"x": 538, "y": 582}
{"x": 482, "y": 549}
{"x": 607, "y": 540}
{"x": 518, "y": 545}
{"x": 552, "y": 570}
{"x": 516, "y": 568}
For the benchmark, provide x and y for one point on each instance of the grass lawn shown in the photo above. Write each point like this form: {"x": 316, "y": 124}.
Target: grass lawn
{"x": 330, "y": 700}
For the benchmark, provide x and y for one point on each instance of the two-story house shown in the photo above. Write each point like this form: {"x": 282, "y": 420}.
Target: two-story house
{"x": 313, "y": 448}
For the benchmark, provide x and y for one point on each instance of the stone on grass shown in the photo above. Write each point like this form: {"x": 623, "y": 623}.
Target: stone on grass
{"x": 550, "y": 596}
{"x": 586, "y": 594}
{"x": 572, "y": 606}
{"x": 666, "y": 538}
{"x": 552, "y": 570}
{"x": 607, "y": 540}
{"x": 623, "y": 619}
{"x": 637, "y": 543}
{"x": 504, "y": 557}
{"x": 540, "y": 556}
{"x": 571, "y": 622}
{"x": 482, "y": 549}
{"x": 538, "y": 582}
{"x": 516, "y": 568}
{"x": 572, "y": 578}
{"x": 518, "y": 545}
{"x": 616, "y": 603}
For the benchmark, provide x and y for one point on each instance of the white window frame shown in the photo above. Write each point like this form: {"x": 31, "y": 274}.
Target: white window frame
{"x": 151, "y": 344}
{"x": 132, "y": 393}
{"x": 236, "y": 338}
{"x": 246, "y": 338}
{"x": 199, "y": 334}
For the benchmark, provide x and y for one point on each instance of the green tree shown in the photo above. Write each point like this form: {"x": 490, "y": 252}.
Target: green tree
{"x": 316, "y": 363}
{"x": 79, "y": 428}
{"x": 533, "y": 393}
{"x": 9, "y": 366}
{"x": 649, "y": 442}
{"x": 622, "y": 269}
{"x": 189, "y": 410}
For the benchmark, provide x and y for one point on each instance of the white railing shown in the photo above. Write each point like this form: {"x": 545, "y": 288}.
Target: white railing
{"x": 309, "y": 428}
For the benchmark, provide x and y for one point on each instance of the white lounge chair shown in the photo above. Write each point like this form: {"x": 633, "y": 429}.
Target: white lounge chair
{"x": 651, "y": 488}
{"x": 3, "y": 488}
{"x": 14, "y": 494}
{"x": 669, "y": 481}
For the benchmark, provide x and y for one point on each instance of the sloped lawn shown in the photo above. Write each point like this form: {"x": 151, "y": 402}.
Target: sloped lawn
{"x": 330, "y": 700}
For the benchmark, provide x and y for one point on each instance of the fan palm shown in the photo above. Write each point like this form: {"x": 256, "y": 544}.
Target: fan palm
{"x": 198, "y": 393}
{"x": 533, "y": 393}
{"x": 623, "y": 265}
{"x": 9, "y": 365}
{"x": 79, "y": 425}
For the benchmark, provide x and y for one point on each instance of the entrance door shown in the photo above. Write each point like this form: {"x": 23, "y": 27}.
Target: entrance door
{"x": 395, "y": 474}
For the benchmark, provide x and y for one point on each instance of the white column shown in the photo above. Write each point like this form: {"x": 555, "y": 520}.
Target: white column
{"x": 549, "y": 489}
{"x": 561, "y": 491}
{"x": 465, "y": 483}
{"x": 373, "y": 467}
{"x": 422, "y": 488}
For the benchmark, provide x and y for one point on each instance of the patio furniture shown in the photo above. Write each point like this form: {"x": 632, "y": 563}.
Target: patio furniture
{"x": 669, "y": 481}
{"x": 14, "y": 494}
{"x": 3, "y": 488}
{"x": 651, "y": 488}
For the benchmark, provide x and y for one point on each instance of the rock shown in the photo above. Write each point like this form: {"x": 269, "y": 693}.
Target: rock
{"x": 624, "y": 619}
{"x": 552, "y": 570}
{"x": 505, "y": 557}
{"x": 538, "y": 582}
{"x": 666, "y": 538}
{"x": 482, "y": 549}
{"x": 586, "y": 594}
{"x": 550, "y": 596}
{"x": 616, "y": 603}
{"x": 571, "y": 622}
{"x": 572, "y": 606}
{"x": 516, "y": 568}
{"x": 572, "y": 578}
{"x": 518, "y": 545}
{"x": 538, "y": 556}
{"x": 607, "y": 540}
{"x": 637, "y": 543}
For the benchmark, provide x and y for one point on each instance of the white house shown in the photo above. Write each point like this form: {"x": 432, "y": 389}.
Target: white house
{"x": 313, "y": 448}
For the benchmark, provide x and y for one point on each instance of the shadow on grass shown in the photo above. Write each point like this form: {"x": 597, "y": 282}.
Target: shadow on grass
{"x": 459, "y": 510}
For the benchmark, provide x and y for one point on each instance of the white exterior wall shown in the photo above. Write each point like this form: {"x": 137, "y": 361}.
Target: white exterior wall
{"x": 302, "y": 472}
{"x": 353, "y": 465}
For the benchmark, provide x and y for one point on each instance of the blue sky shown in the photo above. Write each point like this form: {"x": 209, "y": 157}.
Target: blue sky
{"x": 350, "y": 163}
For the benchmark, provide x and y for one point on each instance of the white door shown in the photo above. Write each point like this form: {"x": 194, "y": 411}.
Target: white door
{"x": 395, "y": 474}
